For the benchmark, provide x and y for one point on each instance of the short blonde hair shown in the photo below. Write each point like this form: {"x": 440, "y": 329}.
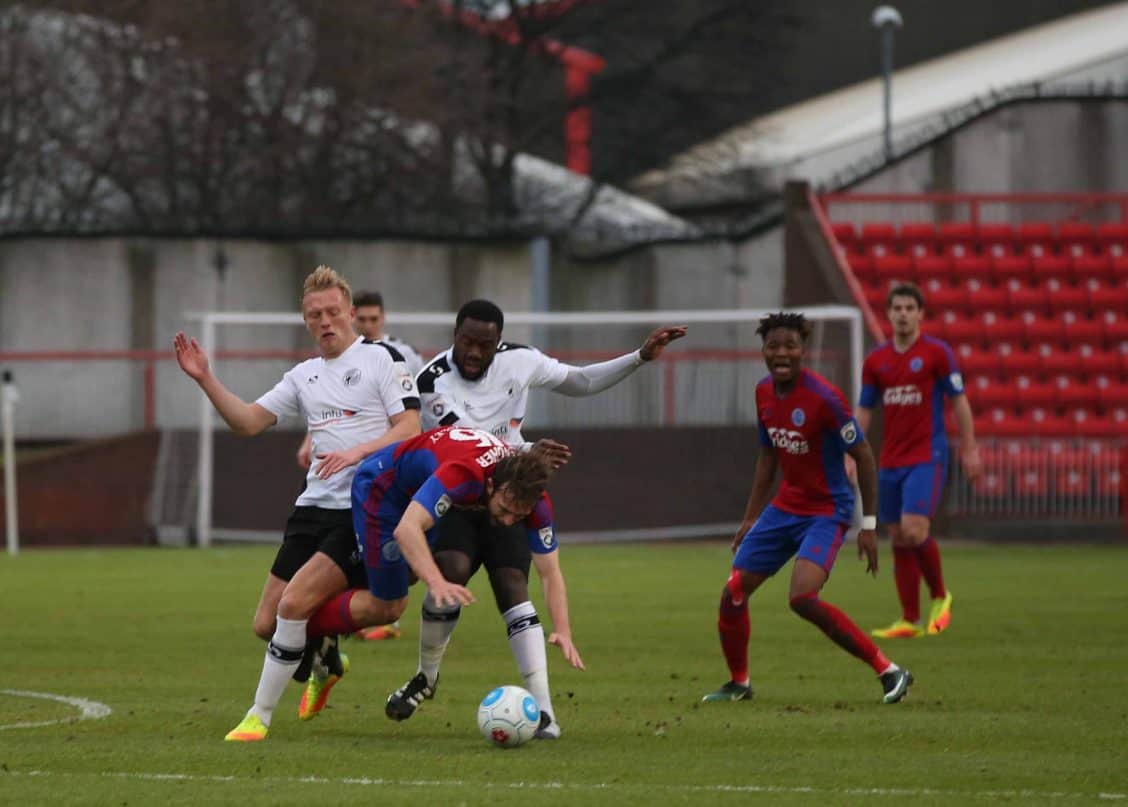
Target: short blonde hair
{"x": 324, "y": 278}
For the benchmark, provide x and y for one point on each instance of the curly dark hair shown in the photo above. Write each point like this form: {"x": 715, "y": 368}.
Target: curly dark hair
{"x": 524, "y": 474}
{"x": 792, "y": 322}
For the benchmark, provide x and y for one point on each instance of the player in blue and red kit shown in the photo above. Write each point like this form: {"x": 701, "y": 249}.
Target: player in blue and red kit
{"x": 398, "y": 494}
{"x": 806, "y": 430}
{"x": 910, "y": 375}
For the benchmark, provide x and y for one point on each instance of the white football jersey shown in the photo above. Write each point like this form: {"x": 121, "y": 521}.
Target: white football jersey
{"x": 345, "y": 401}
{"x": 410, "y": 355}
{"x": 495, "y": 402}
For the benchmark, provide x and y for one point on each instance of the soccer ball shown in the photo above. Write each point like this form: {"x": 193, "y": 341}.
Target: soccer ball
{"x": 508, "y": 716}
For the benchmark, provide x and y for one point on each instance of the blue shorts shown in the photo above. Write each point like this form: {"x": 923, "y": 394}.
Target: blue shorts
{"x": 777, "y": 535}
{"x": 378, "y": 504}
{"x": 911, "y": 489}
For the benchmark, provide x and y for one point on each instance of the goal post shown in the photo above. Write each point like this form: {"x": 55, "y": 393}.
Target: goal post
{"x": 719, "y": 340}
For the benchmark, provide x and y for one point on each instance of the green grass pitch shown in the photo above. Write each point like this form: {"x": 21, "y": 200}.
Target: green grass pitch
{"x": 1024, "y": 700}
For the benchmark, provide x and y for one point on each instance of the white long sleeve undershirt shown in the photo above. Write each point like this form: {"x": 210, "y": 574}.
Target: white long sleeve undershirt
{"x": 593, "y": 378}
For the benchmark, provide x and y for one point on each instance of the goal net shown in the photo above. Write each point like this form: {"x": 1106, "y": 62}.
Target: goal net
{"x": 705, "y": 380}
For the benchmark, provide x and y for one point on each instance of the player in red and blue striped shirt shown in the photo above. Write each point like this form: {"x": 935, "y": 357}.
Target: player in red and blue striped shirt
{"x": 806, "y": 430}
{"x": 910, "y": 376}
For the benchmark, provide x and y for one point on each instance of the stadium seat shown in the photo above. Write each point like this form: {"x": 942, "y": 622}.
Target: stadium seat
{"x": 939, "y": 298}
{"x": 1102, "y": 298}
{"x": 1111, "y": 394}
{"x": 1095, "y": 362}
{"x": 1053, "y": 361}
{"x": 893, "y": 268}
{"x": 1032, "y": 394}
{"x": 933, "y": 267}
{"x": 1067, "y": 297}
{"x": 986, "y": 297}
{"x": 995, "y": 328}
{"x": 971, "y": 267}
{"x": 1072, "y": 394}
{"x": 951, "y": 326}
{"x": 1036, "y": 327}
{"x": 1077, "y": 328}
{"x": 878, "y": 238}
{"x": 957, "y": 238}
{"x": 1019, "y": 362}
{"x": 1000, "y": 422}
{"x": 1112, "y": 233}
{"x": 1086, "y": 423}
{"x": 1070, "y": 480}
{"x": 875, "y": 296}
{"x": 1076, "y": 233}
{"x": 1006, "y": 268}
{"x": 997, "y": 239}
{"x": 1114, "y": 325}
{"x": 975, "y": 361}
{"x": 1048, "y": 424}
{"x": 919, "y": 237}
{"x": 987, "y": 392}
{"x": 1035, "y": 237}
{"x": 1031, "y": 298}
{"x": 1092, "y": 267}
{"x": 1047, "y": 267}
{"x": 1030, "y": 480}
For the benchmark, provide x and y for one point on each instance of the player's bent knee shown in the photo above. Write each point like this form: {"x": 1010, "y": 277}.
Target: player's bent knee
{"x": 455, "y": 566}
{"x": 263, "y": 627}
{"x": 370, "y": 610}
{"x": 804, "y": 604}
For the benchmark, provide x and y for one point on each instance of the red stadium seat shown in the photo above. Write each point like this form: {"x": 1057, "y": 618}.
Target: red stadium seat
{"x": 1077, "y": 328}
{"x": 1065, "y": 297}
{"x": 1076, "y": 233}
{"x": 1018, "y": 362}
{"x": 1097, "y": 267}
{"x": 934, "y": 267}
{"x": 1073, "y": 395}
{"x": 1045, "y": 423}
{"x": 1103, "y": 298}
{"x": 957, "y": 237}
{"x": 975, "y": 361}
{"x": 997, "y": 239}
{"x": 1095, "y": 362}
{"x": 986, "y": 297}
{"x": 1031, "y": 298}
{"x": 919, "y": 234}
{"x": 939, "y": 298}
{"x": 1000, "y": 422}
{"x": 986, "y": 393}
{"x": 1070, "y": 480}
{"x": 1111, "y": 394}
{"x": 878, "y": 238}
{"x": 1112, "y": 233}
{"x": 1011, "y": 267}
{"x": 1054, "y": 361}
{"x": 1036, "y": 327}
{"x": 971, "y": 267}
{"x": 875, "y": 296}
{"x": 1032, "y": 394}
{"x": 893, "y": 268}
{"x": 996, "y": 328}
{"x": 1086, "y": 423}
{"x": 1030, "y": 480}
{"x": 1036, "y": 237}
{"x": 951, "y": 326}
{"x": 1046, "y": 267}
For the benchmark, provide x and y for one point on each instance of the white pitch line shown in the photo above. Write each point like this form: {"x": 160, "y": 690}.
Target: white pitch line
{"x": 893, "y": 792}
{"x": 87, "y": 710}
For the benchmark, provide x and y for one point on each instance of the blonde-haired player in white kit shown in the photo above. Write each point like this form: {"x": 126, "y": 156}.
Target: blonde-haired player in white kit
{"x": 483, "y": 383}
{"x": 357, "y": 396}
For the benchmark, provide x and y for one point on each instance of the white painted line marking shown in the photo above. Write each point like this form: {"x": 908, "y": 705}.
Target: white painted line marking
{"x": 88, "y": 710}
{"x": 894, "y": 792}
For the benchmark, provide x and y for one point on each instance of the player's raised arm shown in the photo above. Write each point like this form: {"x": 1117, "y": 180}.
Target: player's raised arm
{"x": 593, "y": 378}
{"x": 244, "y": 419}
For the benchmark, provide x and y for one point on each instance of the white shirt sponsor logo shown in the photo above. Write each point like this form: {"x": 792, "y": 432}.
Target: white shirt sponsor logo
{"x": 908, "y": 395}
{"x": 787, "y": 440}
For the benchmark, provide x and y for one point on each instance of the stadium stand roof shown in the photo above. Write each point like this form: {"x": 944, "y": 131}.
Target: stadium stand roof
{"x": 817, "y": 139}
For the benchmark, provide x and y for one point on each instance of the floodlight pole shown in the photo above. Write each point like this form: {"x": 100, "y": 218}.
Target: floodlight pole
{"x": 887, "y": 20}
{"x": 8, "y": 397}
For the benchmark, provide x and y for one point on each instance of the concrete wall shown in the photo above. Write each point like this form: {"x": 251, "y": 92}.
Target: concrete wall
{"x": 123, "y": 294}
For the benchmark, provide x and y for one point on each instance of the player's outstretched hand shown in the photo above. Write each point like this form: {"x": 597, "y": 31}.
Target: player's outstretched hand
{"x": 190, "y": 356}
{"x": 556, "y": 454}
{"x": 973, "y": 466}
{"x": 655, "y": 343}
{"x": 334, "y": 461}
{"x": 867, "y": 545}
{"x": 446, "y": 593}
{"x": 568, "y": 649}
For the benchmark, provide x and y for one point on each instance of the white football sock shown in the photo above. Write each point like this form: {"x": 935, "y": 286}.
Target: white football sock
{"x": 435, "y": 628}
{"x": 526, "y": 640}
{"x": 283, "y": 654}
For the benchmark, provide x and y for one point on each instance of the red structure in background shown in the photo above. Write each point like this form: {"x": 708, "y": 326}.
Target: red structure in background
{"x": 579, "y": 67}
